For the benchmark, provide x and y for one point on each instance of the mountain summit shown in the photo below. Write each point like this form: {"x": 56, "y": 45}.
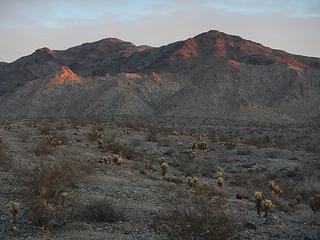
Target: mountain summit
{"x": 212, "y": 75}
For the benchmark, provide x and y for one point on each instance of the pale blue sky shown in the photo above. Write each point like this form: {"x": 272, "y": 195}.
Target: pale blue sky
{"x": 291, "y": 25}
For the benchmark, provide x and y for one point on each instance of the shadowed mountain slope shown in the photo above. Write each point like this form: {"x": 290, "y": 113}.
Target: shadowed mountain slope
{"x": 213, "y": 75}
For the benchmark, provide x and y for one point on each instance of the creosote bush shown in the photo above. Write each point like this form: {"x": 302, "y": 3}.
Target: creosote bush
{"x": 199, "y": 213}
{"x": 152, "y": 135}
{"x": 46, "y": 190}
{"x": 112, "y": 145}
{"x": 101, "y": 210}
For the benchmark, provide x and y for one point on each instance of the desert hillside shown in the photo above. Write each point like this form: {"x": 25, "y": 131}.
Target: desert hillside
{"x": 212, "y": 75}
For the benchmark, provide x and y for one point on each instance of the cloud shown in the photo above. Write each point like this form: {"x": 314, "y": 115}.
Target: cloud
{"x": 284, "y": 24}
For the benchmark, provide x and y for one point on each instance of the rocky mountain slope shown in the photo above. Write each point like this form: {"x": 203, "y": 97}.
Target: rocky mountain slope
{"x": 213, "y": 75}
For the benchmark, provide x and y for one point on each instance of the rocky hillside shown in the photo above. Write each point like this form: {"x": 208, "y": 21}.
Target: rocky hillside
{"x": 213, "y": 75}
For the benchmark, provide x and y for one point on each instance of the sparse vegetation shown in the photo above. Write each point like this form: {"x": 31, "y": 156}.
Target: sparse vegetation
{"x": 197, "y": 214}
{"x": 45, "y": 188}
{"x": 3, "y": 152}
{"x": 100, "y": 210}
{"x": 314, "y": 203}
{"x": 14, "y": 208}
{"x": 96, "y": 133}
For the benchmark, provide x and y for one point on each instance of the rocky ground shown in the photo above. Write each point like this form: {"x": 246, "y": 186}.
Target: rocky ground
{"x": 122, "y": 199}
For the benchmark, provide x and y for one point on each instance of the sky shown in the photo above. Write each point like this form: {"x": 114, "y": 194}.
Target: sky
{"x": 26, "y": 25}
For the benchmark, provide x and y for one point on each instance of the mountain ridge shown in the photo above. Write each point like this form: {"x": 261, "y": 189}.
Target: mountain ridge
{"x": 210, "y": 75}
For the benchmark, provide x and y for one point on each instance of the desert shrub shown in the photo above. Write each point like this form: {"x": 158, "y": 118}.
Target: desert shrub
{"x": 3, "y": 152}
{"x": 164, "y": 142}
{"x": 130, "y": 153}
{"x": 260, "y": 142}
{"x": 101, "y": 210}
{"x": 206, "y": 167}
{"x": 200, "y": 213}
{"x": 113, "y": 145}
{"x": 309, "y": 188}
{"x": 24, "y": 134}
{"x": 152, "y": 135}
{"x": 273, "y": 154}
{"x": 96, "y": 133}
{"x": 45, "y": 130}
{"x": 188, "y": 164}
{"x": 43, "y": 148}
{"x": 46, "y": 191}
{"x": 314, "y": 203}
{"x": 230, "y": 145}
{"x": 243, "y": 152}
{"x": 212, "y": 135}
{"x": 44, "y": 186}
{"x": 281, "y": 144}
{"x": 312, "y": 148}
{"x": 135, "y": 142}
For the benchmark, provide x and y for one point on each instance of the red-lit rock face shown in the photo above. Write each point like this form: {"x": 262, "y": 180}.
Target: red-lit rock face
{"x": 220, "y": 49}
{"x": 291, "y": 63}
{"x": 65, "y": 77}
{"x": 188, "y": 50}
{"x": 234, "y": 63}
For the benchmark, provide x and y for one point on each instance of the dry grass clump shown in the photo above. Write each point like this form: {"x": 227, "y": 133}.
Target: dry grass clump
{"x": 309, "y": 188}
{"x": 188, "y": 162}
{"x": 200, "y": 213}
{"x": 46, "y": 192}
{"x": 45, "y": 130}
{"x": 43, "y": 148}
{"x": 113, "y": 145}
{"x": 130, "y": 153}
{"x": 101, "y": 210}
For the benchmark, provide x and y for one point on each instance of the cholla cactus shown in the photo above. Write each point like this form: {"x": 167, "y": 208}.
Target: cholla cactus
{"x": 161, "y": 160}
{"x": 125, "y": 132}
{"x": 100, "y": 143}
{"x": 106, "y": 160}
{"x": 267, "y": 206}
{"x": 99, "y": 133}
{"x": 298, "y": 199}
{"x": 14, "y": 208}
{"x": 52, "y": 140}
{"x": 220, "y": 173}
{"x": 117, "y": 159}
{"x": 258, "y": 196}
{"x": 203, "y": 146}
{"x": 220, "y": 181}
{"x": 258, "y": 200}
{"x": 191, "y": 181}
{"x": 193, "y": 146}
{"x": 164, "y": 168}
{"x": 275, "y": 189}
{"x": 176, "y": 133}
{"x": 192, "y": 153}
{"x": 314, "y": 203}
{"x": 64, "y": 195}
